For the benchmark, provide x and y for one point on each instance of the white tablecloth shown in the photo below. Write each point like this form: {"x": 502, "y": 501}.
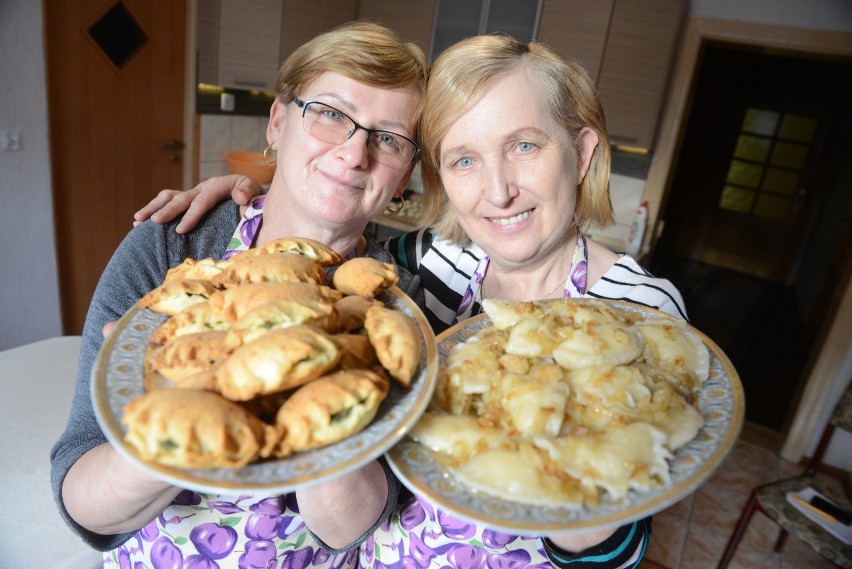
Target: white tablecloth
{"x": 36, "y": 386}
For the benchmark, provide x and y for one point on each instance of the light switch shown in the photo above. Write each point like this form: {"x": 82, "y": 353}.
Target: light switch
{"x": 11, "y": 140}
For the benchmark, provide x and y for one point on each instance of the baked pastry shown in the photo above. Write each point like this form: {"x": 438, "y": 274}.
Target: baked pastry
{"x": 199, "y": 317}
{"x": 280, "y": 314}
{"x": 319, "y": 252}
{"x": 352, "y": 310}
{"x": 195, "y": 429}
{"x": 364, "y": 276}
{"x": 173, "y": 296}
{"x": 396, "y": 339}
{"x": 236, "y": 301}
{"x": 329, "y": 409}
{"x": 276, "y": 361}
{"x": 273, "y": 267}
{"x": 187, "y": 355}
{"x": 356, "y": 351}
{"x": 203, "y": 269}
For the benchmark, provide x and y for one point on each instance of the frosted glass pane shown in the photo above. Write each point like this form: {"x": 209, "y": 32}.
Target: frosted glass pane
{"x": 736, "y": 199}
{"x": 789, "y": 155}
{"x": 772, "y": 207}
{"x": 513, "y": 17}
{"x": 781, "y": 181}
{"x": 752, "y": 148}
{"x": 760, "y": 121}
{"x": 456, "y": 20}
{"x": 797, "y": 127}
{"x": 744, "y": 174}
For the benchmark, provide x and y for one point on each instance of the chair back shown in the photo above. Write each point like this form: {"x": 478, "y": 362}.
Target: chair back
{"x": 841, "y": 418}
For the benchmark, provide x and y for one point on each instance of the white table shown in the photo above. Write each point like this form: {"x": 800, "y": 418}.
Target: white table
{"x": 36, "y": 386}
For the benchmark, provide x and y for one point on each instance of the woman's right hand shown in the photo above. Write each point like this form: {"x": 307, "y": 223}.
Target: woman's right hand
{"x": 198, "y": 201}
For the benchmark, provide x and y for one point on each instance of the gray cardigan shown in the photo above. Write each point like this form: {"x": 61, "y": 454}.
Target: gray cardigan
{"x": 139, "y": 265}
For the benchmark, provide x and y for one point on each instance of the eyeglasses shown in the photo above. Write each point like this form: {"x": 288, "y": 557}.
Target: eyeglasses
{"x": 330, "y": 125}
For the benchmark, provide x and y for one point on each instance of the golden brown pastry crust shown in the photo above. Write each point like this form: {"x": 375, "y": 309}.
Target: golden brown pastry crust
{"x": 329, "y": 409}
{"x": 203, "y": 269}
{"x": 364, "y": 276}
{"x": 273, "y": 267}
{"x": 197, "y": 318}
{"x": 195, "y": 429}
{"x": 173, "y": 296}
{"x": 356, "y": 351}
{"x": 187, "y": 355}
{"x": 280, "y": 314}
{"x": 352, "y": 310}
{"x": 236, "y": 301}
{"x": 319, "y": 252}
{"x": 396, "y": 339}
{"x": 276, "y": 361}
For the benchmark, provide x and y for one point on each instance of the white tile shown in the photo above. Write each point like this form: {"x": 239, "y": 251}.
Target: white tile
{"x": 244, "y": 134}
{"x": 215, "y": 137}
{"x": 212, "y": 168}
{"x": 626, "y": 194}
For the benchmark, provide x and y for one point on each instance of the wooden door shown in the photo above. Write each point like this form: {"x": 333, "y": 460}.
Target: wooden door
{"x": 115, "y": 74}
{"x": 756, "y": 158}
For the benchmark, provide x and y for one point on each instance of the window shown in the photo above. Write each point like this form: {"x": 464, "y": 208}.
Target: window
{"x": 764, "y": 172}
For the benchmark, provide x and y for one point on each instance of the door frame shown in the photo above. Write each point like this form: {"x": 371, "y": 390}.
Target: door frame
{"x": 826, "y": 372}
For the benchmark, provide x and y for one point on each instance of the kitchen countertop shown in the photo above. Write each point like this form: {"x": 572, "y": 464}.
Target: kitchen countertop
{"x": 36, "y": 386}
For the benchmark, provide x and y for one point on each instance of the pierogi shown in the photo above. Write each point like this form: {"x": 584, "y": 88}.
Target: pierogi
{"x": 286, "y": 362}
{"x": 566, "y": 402}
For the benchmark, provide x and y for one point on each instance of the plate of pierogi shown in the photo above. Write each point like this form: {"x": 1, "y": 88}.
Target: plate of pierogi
{"x": 265, "y": 373}
{"x": 570, "y": 415}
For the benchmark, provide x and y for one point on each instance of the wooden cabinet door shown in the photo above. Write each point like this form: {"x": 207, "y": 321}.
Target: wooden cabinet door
{"x": 249, "y": 43}
{"x": 636, "y": 64}
{"x": 302, "y": 21}
{"x": 577, "y": 30}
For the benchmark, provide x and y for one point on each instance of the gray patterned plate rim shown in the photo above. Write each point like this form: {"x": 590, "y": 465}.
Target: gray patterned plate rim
{"x": 720, "y": 400}
{"x": 117, "y": 378}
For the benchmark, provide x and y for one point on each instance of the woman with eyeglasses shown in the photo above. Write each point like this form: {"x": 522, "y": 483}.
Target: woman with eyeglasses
{"x": 515, "y": 167}
{"x": 343, "y": 126}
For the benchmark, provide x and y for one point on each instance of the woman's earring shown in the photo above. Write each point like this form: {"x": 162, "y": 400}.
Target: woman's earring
{"x": 266, "y": 160}
{"x": 400, "y": 205}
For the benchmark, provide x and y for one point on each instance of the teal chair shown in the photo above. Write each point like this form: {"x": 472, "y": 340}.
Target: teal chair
{"x": 771, "y": 500}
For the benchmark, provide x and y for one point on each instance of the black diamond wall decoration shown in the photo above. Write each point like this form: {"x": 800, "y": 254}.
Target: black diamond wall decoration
{"x": 118, "y": 34}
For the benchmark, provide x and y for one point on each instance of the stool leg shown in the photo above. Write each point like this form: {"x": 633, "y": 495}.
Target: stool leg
{"x": 739, "y": 530}
{"x": 782, "y": 538}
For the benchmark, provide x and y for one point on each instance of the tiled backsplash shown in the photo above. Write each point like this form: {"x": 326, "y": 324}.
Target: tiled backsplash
{"x": 626, "y": 194}
{"x": 221, "y": 134}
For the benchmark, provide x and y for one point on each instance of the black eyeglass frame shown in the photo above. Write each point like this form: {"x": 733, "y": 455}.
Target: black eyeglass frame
{"x": 304, "y": 106}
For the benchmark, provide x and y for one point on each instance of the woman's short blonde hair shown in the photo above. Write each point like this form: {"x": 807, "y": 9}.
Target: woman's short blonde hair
{"x": 365, "y": 51}
{"x": 459, "y": 78}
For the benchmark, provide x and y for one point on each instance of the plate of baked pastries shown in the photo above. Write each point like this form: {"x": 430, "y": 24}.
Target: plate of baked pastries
{"x": 263, "y": 373}
{"x": 566, "y": 416}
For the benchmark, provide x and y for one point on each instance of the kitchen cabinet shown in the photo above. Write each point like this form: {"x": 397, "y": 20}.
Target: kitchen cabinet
{"x": 411, "y": 20}
{"x": 239, "y": 43}
{"x": 302, "y": 21}
{"x": 628, "y": 48}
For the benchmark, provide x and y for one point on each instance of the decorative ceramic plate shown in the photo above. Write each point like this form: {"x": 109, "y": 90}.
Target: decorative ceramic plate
{"x": 117, "y": 377}
{"x": 720, "y": 401}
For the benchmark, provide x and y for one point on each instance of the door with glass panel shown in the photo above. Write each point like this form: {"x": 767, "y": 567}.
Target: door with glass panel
{"x": 756, "y": 160}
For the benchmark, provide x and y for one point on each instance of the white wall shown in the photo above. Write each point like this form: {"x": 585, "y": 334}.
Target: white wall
{"x": 29, "y": 294}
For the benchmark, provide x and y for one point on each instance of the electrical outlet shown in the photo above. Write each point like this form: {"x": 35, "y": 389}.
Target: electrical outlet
{"x": 11, "y": 140}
